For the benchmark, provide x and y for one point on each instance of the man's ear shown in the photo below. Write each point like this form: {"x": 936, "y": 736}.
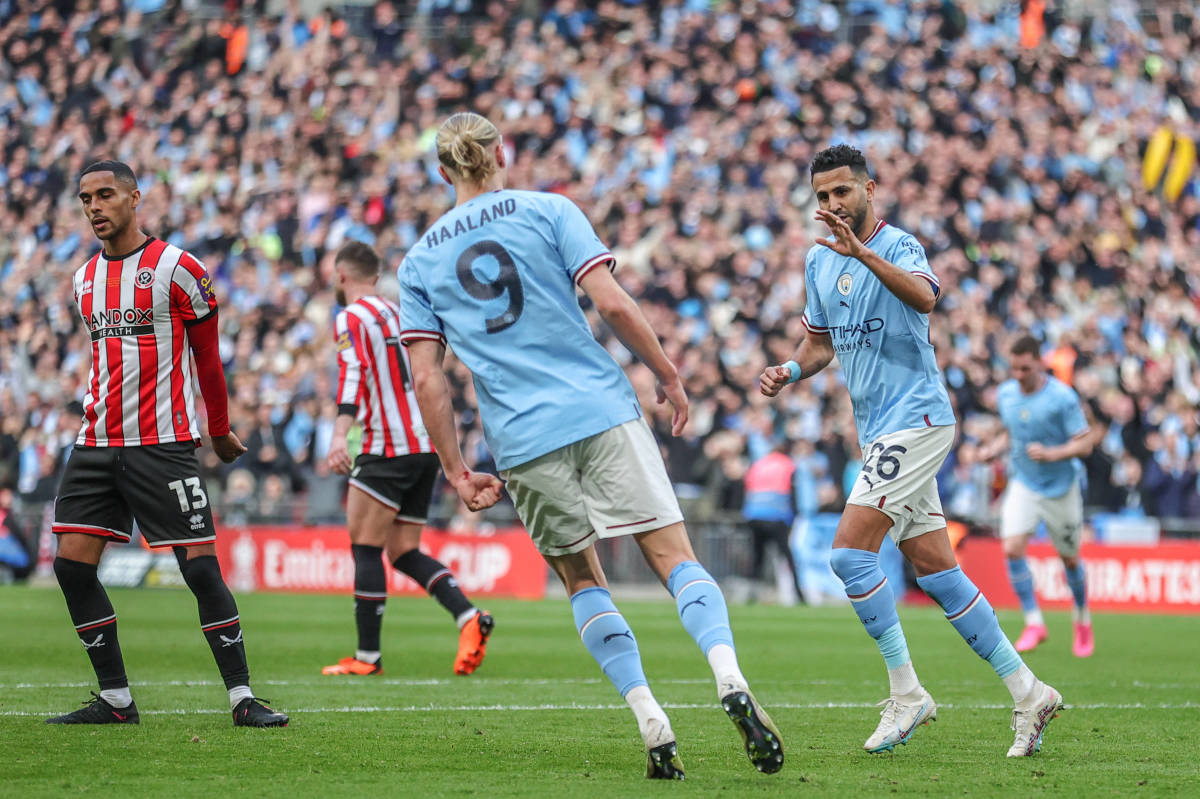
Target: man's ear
{"x": 501, "y": 156}
{"x": 136, "y": 195}
{"x": 445, "y": 175}
{"x": 870, "y": 186}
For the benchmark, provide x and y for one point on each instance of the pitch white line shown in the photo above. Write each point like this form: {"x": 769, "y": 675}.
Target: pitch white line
{"x": 335, "y": 682}
{"x": 672, "y": 706}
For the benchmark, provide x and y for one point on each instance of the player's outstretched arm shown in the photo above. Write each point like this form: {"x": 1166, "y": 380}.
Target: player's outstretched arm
{"x": 621, "y": 313}
{"x": 814, "y": 354}
{"x": 477, "y": 490}
{"x": 910, "y": 289}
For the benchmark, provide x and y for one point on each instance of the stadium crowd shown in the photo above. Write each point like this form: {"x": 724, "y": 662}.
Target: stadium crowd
{"x": 684, "y": 129}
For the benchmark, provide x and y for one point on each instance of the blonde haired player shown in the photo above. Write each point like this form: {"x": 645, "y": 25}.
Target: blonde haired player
{"x": 495, "y": 278}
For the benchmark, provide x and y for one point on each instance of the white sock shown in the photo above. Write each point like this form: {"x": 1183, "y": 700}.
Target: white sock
{"x": 723, "y": 662}
{"x": 651, "y": 719}
{"x": 117, "y": 697}
{"x": 903, "y": 680}
{"x": 237, "y": 693}
{"x": 1034, "y": 617}
{"x": 464, "y": 617}
{"x": 1081, "y": 615}
{"x": 1020, "y": 684}
{"x": 366, "y": 656}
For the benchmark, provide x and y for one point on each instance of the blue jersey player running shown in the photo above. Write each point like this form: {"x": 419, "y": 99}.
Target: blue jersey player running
{"x": 1047, "y": 432}
{"x": 495, "y": 278}
{"x": 869, "y": 290}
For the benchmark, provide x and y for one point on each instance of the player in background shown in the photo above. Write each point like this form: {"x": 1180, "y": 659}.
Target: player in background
{"x": 150, "y": 309}
{"x": 496, "y": 277}
{"x": 869, "y": 291}
{"x": 1046, "y": 432}
{"x": 391, "y": 481}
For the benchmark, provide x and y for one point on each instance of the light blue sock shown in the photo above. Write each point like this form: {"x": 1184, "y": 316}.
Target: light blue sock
{"x": 1022, "y": 583}
{"x": 608, "y": 638}
{"x": 873, "y": 601}
{"x": 1077, "y": 579}
{"x": 701, "y": 605}
{"x": 971, "y": 614}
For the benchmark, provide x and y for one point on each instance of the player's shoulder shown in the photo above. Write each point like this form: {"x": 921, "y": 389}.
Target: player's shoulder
{"x": 1058, "y": 388}
{"x": 1007, "y": 391}
{"x": 91, "y": 260}
{"x": 890, "y": 237}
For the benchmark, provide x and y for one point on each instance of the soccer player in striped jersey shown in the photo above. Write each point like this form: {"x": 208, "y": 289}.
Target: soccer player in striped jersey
{"x": 496, "y": 278}
{"x": 150, "y": 308}
{"x": 870, "y": 290}
{"x": 391, "y": 481}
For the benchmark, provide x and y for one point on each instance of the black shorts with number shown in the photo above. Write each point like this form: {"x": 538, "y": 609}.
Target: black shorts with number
{"x": 104, "y": 489}
{"x": 404, "y": 483}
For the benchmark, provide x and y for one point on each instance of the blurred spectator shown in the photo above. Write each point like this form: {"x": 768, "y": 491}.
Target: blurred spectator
{"x": 1011, "y": 144}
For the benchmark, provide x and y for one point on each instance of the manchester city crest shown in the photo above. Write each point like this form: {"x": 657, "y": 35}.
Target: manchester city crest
{"x": 844, "y": 283}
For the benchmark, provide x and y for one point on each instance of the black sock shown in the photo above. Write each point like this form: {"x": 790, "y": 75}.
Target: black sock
{"x": 94, "y": 619}
{"x": 435, "y": 579}
{"x": 218, "y": 615}
{"x": 370, "y": 594}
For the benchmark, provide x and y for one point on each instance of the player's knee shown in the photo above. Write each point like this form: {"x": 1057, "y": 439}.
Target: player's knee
{"x": 1014, "y": 548}
{"x": 1070, "y": 561}
{"x": 848, "y": 564}
{"x": 73, "y": 575}
{"x": 202, "y": 574}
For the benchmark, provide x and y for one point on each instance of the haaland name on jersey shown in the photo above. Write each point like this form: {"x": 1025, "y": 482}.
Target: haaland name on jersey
{"x": 468, "y": 222}
{"x": 503, "y": 297}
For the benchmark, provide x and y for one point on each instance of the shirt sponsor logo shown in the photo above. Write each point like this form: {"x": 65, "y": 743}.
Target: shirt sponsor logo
{"x": 118, "y": 322}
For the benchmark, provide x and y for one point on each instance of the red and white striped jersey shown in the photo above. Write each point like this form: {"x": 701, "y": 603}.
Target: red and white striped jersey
{"x": 374, "y": 375}
{"x": 137, "y": 308}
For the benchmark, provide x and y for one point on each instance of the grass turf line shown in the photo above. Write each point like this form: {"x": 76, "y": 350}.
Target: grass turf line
{"x": 587, "y": 745}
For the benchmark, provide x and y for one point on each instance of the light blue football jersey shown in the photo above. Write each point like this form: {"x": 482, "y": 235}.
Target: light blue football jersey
{"x": 495, "y": 277}
{"x": 881, "y": 343}
{"x": 1050, "y": 416}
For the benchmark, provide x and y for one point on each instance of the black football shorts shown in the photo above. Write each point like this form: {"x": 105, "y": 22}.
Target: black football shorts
{"x": 104, "y": 489}
{"x": 404, "y": 483}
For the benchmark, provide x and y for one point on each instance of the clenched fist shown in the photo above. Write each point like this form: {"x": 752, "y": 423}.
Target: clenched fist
{"x": 773, "y": 379}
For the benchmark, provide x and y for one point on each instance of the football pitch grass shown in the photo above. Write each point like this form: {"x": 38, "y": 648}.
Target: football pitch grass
{"x": 538, "y": 719}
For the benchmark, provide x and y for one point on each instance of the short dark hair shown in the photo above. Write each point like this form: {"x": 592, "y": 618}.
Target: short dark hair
{"x": 839, "y": 155}
{"x": 121, "y": 171}
{"x": 362, "y": 257}
{"x": 1026, "y": 345}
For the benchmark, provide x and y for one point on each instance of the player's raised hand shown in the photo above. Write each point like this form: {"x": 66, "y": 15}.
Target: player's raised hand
{"x": 773, "y": 379}
{"x": 339, "y": 456}
{"x": 844, "y": 242}
{"x": 478, "y": 490}
{"x": 674, "y": 393}
{"x": 228, "y": 447}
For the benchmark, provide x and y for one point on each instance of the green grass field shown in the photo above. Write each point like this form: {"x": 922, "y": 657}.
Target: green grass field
{"x": 538, "y": 719}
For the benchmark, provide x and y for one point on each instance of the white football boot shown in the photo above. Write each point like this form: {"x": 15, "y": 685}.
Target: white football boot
{"x": 899, "y": 719}
{"x": 1030, "y": 721}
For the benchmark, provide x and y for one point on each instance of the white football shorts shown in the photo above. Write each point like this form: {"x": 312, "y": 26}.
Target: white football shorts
{"x": 611, "y": 484}
{"x": 1023, "y": 508}
{"x": 899, "y": 478}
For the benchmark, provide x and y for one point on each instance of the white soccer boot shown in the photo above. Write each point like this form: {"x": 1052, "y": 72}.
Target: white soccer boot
{"x": 1030, "y": 719}
{"x": 899, "y": 719}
